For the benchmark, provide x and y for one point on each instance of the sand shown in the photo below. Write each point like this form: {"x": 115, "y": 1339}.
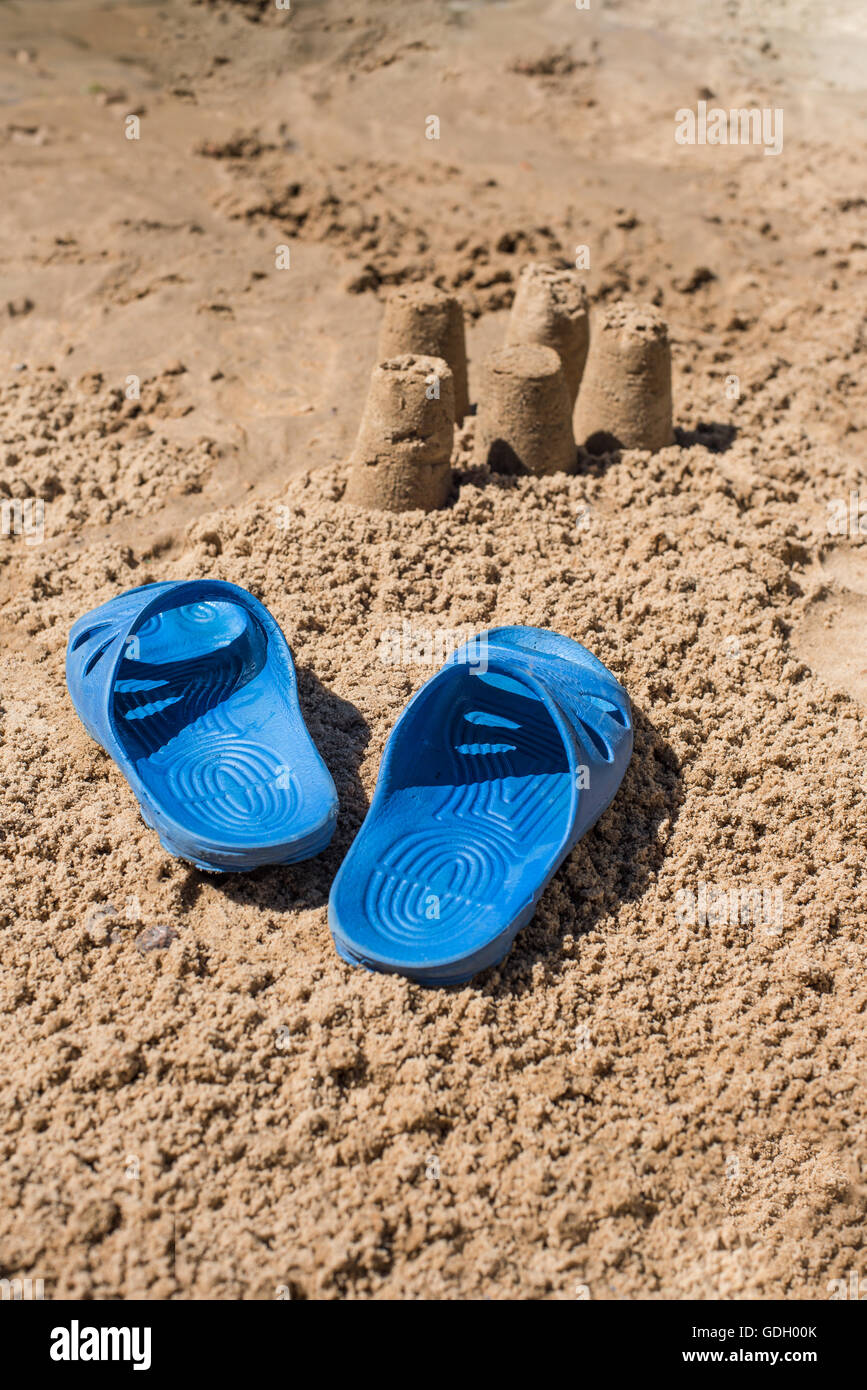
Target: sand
{"x": 647, "y": 1099}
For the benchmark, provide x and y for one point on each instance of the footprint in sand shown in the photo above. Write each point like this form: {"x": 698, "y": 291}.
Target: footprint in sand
{"x": 832, "y": 638}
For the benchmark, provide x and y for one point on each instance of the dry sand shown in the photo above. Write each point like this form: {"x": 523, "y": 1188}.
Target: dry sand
{"x": 199, "y": 1099}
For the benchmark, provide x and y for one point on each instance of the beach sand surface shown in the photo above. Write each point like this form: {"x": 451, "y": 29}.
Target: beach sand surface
{"x": 661, "y": 1092}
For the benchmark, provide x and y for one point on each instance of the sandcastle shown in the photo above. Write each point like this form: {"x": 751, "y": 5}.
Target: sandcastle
{"x": 401, "y": 458}
{"x": 625, "y": 396}
{"x": 524, "y": 424}
{"x": 420, "y": 318}
{"x": 550, "y": 308}
{"x": 526, "y": 390}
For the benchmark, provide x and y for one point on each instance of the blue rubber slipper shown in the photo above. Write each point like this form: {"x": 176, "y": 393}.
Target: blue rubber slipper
{"x": 191, "y": 688}
{"x": 495, "y": 769}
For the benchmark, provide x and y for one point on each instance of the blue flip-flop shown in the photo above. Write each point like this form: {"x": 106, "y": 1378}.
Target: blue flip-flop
{"x": 191, "y": 688}
{"x": 495, "y": 769}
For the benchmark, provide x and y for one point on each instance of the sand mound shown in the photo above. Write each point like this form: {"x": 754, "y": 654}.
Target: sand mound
{"x": 629, "y": 1074}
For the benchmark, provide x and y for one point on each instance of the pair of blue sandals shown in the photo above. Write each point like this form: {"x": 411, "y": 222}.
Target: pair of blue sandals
{"x": 495, "y": 769}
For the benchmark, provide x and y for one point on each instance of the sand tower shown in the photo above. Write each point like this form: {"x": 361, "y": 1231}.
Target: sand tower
{"x": 550, "y": 308}
{"x": 625, "y": 396}
{"x": 422, "y": 319}
{"x": 402, "y": 456}
{"x": 524, "y": 423}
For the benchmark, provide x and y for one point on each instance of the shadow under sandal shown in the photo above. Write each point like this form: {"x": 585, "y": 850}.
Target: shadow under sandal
{"x": 493, "y": 772}
{"x": 191, "y": 688}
